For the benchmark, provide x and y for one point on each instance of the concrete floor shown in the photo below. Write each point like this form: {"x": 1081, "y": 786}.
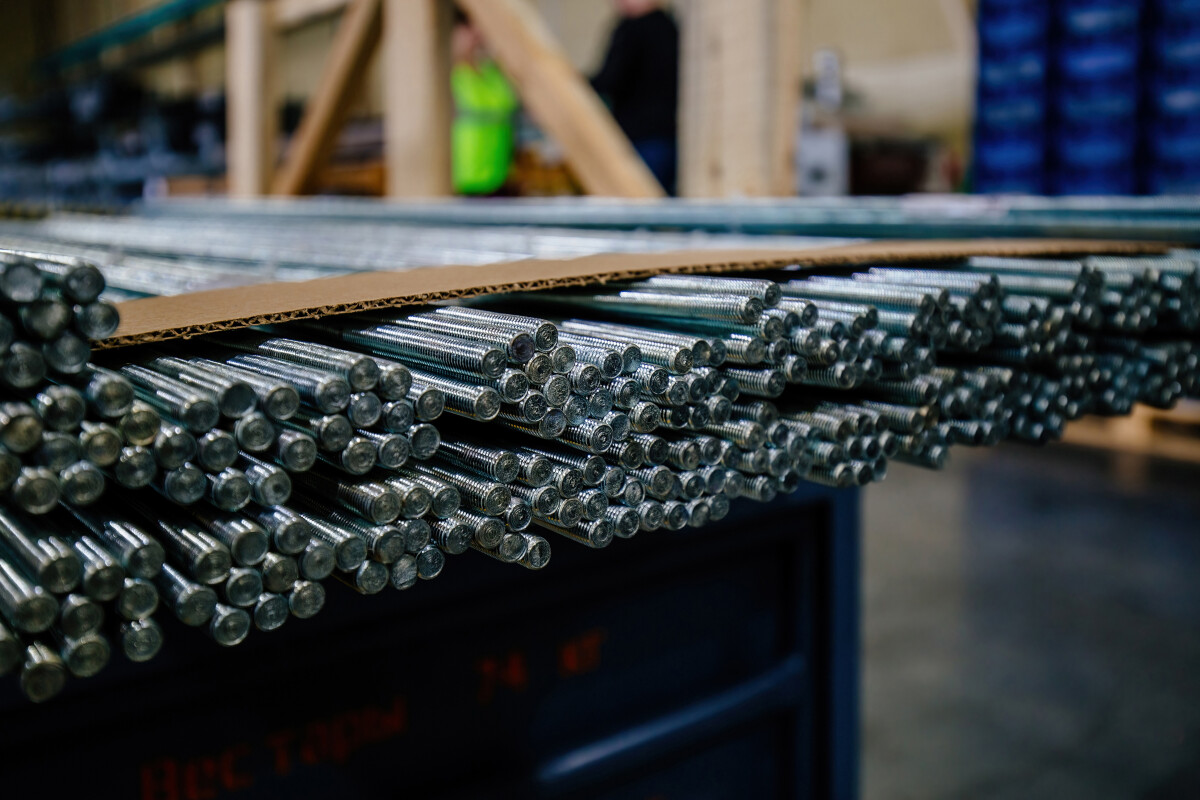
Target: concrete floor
{"x": 1032, "y": 629}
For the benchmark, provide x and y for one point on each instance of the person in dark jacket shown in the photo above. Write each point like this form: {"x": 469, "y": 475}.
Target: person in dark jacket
{"x": 640, "y": 80}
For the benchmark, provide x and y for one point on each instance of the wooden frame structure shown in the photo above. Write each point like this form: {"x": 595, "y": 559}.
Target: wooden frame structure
{"x": 740, "y": 75}
{"x": 355, "y": 42}
{"x": 417, "y": 107}
{"x": 739, "y": 105}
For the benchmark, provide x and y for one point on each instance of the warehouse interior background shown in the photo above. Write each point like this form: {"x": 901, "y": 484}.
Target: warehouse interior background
{"x": 1030, "y": 617}
{"x": 904, "y": 120}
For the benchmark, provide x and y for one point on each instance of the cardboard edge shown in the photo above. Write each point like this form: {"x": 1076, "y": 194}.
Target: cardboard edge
{"x": 585, "y": 271}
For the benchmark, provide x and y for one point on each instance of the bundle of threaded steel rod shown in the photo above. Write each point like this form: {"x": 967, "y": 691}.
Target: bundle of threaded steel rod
{"x": 247, "y": 470}
{"x": 921, "y": 216}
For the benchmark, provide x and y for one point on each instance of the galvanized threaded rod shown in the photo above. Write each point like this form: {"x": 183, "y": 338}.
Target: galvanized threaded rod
{"x": 973, "y": 367}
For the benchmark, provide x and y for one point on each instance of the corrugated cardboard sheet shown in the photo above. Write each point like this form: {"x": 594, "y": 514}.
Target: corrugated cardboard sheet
{"x": 157, "y": 319}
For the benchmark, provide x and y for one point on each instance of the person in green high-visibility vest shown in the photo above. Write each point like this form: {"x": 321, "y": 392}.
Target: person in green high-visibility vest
{"x": 481, "y": 151}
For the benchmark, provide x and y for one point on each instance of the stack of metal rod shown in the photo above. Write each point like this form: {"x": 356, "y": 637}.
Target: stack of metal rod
{"x": 251, "y": 469}
{"x": 152, "y": 257}
{"x": 217, "y": 541}
{"x": 51, "y": 449}
{"x": 922, "y": 216}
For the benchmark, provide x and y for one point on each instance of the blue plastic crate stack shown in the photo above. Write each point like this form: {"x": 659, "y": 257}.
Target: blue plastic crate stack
{"x": 1011, "y": 103}
{"x": 1173, "y": 97}
{"x": 1094, "y": 96}
{"x": 1088, "y": 97}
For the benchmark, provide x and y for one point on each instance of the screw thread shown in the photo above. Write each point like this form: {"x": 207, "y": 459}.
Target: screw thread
{"x": 479, "y": 359}
{"x": 453, "y": 535}
{"x": 655, "y": 449}
{"x": 535, "y": 468}
{"x": 359, "y": 371}
{"x": 743, "y": 433}
{"x": 545, "y": 334}
{"x": 518, "y": 346}
{"x": 487, "y": 531}
{"x": 541, "y": 499}
{"x": 532, "y": 407}
{"x": 658, "y": 481}
{"x": 875, "y": 294}
{"x": 498, "y": 464}
{"x": 590, "y": 434}
{"x": 326, "y": 391}
{"x": 486, "y": 496}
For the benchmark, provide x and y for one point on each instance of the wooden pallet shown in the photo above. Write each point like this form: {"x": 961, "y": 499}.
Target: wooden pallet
{"x": 1148, "y": 431}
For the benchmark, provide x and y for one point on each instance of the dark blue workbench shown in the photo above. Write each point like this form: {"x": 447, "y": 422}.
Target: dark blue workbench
{"x": 711, "y": 663}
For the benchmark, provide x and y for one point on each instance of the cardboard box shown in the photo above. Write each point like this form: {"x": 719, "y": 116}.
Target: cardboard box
{"x": 157, "y": 319}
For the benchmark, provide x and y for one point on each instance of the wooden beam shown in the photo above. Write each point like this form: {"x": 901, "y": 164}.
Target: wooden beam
{"x": 788, "y": 88}
{"x": 416, "y": 97}
{"x": 294, "y": 13}
{"x": 560, "y": 101}
{"x": 699, "y": 101}
{"x": 740, "y": 82}
{"x": 745, "y": 113}
{"x": 353, "y": 45}
{"x": 251, "y": 110}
